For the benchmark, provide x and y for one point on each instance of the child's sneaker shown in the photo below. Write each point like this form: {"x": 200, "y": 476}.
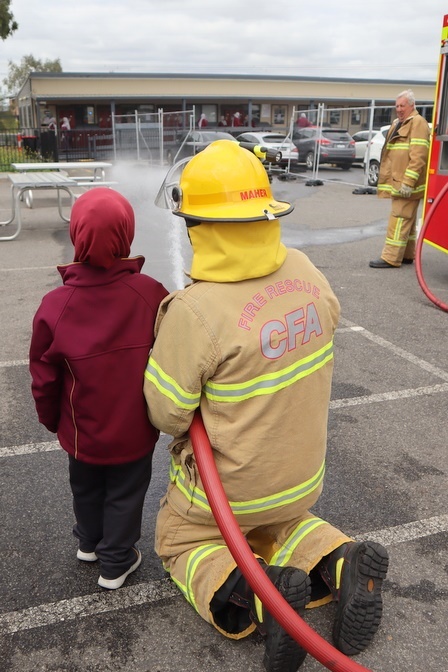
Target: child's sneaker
{"x": 113, "y": 584}
{"x": 86, "y": 556}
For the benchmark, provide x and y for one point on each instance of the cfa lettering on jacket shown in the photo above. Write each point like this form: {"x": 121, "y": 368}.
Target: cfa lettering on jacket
{"x": 303, "y": 321}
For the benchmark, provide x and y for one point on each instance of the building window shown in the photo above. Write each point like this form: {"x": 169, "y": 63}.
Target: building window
{"x": 356, "y": 117}
{"x": 90, "y": 115}
{"x": 210, "y": 112}
{"x": 279, "y": 114}
{"x": 335, "y": 116}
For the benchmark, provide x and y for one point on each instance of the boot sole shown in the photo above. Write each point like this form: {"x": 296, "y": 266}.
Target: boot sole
{"x": 282, "y": 652}
{"x": 360, "y": 605}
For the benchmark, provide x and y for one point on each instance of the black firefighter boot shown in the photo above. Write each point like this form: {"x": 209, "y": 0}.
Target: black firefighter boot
{"x": 282, "y": 652}
{"x": 354, "y": 573}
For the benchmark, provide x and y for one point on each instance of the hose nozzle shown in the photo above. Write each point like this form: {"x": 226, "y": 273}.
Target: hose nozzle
{"x": 263, "y": 153}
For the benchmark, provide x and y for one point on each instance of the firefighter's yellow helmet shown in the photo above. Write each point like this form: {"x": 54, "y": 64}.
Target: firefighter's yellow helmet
{"x": 226, "y": 183}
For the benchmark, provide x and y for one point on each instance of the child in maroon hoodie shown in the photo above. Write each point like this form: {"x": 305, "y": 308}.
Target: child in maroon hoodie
{"x": 89, "y": 348}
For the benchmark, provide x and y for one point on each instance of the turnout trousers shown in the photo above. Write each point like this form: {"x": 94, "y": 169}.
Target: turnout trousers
{"x": 401, "y": 235}
{"x": 196, "y": 556}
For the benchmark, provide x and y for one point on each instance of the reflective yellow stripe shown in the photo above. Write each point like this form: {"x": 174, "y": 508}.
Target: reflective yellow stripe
{"x": 258, "y": 608}
{"x": 398, "y": 226}
{"x": 398, "y": 145}
{"x": 169, "y": 388}
{"x": 198, "y": 497}
{"x": 396, "y": 243}
{"x": 394, "y": 192}
{"x": 181, "y": 587}
{"x": 194, "y": 494}
{"x": 271, "y": 382}
{"x": 420, "y": 142}
{"x": 193, "y": 561}
{"x": 416, "y": 142}
{"x": 338, "y": 573}
{"x": 282, "y": 556}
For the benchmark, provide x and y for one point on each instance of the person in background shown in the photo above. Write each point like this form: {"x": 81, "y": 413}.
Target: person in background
{"x": 202, "y": 123}
{"x": 222, "y": 121}
{"x": 65, "y": 133}
{"x": 302, "y": 121}
{"x": 260, "y": 372}
{"x": 90, "y": 343}
{"x": 236, "y": 119}
{"x": 402, "y": 178}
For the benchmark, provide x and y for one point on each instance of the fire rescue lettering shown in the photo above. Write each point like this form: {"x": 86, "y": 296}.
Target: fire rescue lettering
{"x": 278, "y": 337}
{"x": 271, "y": 292}
{"x": 253, "y": 193}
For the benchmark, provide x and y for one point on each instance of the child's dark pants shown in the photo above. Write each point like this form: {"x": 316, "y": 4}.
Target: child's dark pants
{"x": 108, "y": 505}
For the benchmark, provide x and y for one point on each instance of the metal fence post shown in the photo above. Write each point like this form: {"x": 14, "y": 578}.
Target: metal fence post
{"x": 161, "y": 134}
{"x": 137, "y": 139}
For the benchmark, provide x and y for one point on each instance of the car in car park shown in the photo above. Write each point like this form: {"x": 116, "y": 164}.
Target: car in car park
{"x": 362, "y": 139}
{"x": 375, "y": 148}
{"x": 334, "y": 145}
{"x": 190, "y": 143}
{"x": 275, "y": 141}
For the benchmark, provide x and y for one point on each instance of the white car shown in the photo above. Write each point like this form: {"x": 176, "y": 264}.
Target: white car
{"x": 361, "y": 139}
{"x": 375, "y": 147}
{"x": 276, "y": 141}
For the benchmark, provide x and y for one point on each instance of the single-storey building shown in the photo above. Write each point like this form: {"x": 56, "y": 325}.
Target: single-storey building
{"x": 92, "y": 100}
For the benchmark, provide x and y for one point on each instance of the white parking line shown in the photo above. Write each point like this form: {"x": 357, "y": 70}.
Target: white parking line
{"x": 29, "y": 448}
{"x": 144, "y": 593}
{"x": 52, "y": 613}
{"x": 417, "y": 361}
{"x": 389, "y": 396}
{"x": 14, "y": 362}
{"x": 408, "y": 531}
{"x": 28, "y": 268}
{"x": 87, "y": 605}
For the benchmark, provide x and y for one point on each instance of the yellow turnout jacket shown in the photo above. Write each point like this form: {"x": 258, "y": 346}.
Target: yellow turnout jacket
{"x": 256, "y": 357}
{"x": 404, "y": 158}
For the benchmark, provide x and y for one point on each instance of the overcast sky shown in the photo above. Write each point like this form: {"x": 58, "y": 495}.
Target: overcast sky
{"x": 348, "y": 38}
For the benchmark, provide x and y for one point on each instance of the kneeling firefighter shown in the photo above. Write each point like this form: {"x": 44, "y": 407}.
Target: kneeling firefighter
{"x": 250, "y": 343}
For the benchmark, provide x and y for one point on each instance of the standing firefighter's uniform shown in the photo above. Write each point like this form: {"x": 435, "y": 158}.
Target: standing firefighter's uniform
{"x": 250, "y": 343}
{"x": 403, "y": 161}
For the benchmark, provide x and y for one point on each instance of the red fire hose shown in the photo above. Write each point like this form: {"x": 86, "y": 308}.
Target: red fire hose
{"x": 274, "y": 602}
{"x": 418, "y": 251}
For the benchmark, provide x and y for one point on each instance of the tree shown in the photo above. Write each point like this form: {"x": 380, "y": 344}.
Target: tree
{"x": 8, "y": 25}
{"x": 18, "y": 73}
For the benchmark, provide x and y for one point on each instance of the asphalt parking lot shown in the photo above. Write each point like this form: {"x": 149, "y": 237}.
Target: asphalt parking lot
{"x": 386, "y": 470}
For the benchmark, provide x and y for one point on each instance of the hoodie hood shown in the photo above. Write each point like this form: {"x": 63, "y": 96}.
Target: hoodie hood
{"x": 234, "y": 251}
{"x": 102, "y": 225}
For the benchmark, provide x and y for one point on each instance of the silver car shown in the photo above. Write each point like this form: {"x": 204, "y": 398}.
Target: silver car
{"x": 275, "y": 141}
{"x": 333, "y": 145}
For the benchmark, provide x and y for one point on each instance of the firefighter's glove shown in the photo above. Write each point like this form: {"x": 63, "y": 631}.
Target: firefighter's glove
{"x": 405, "y": 191}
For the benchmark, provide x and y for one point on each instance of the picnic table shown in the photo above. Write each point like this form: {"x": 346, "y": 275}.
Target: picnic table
{"x": 98, "y": 168}
{"x": 24, "y": 182}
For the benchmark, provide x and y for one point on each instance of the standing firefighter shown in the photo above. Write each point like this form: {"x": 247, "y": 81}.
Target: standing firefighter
{"x": 250, "y": 343}
{"x": 402, "y": 178}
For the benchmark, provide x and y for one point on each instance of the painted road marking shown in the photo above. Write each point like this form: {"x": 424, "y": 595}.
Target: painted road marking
{"x": 417, "y": 361}
{"x": 14, "y": 362}
{"x": 389, "y": 396}
{"x": 153, "y": 591}
{"x": 87, "y": 605}
{"x": 52, "y": 613}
